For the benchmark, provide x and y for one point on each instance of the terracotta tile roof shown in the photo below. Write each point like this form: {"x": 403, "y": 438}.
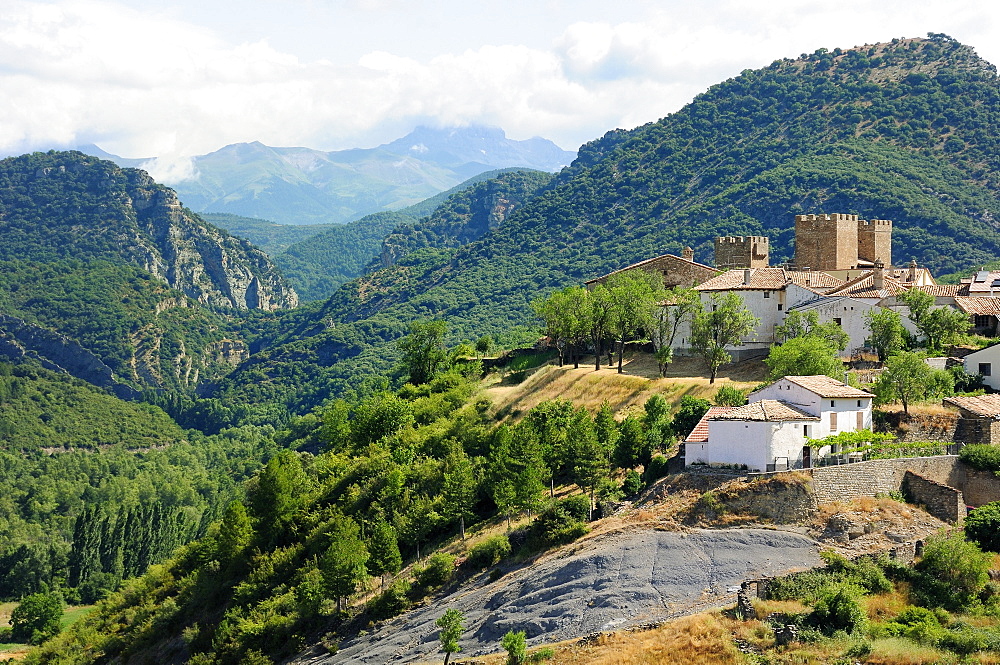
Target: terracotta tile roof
{"x": 700, "y": 432}
{"x": 766, "y": 410}
{"x": 864, "y": 287}
{"x": 768, "y": 279}
{"x": 982, "y": 282}
{"x": 640, "y": 264}
{"x": 981, "y": 405}
{"x": 944, "y": 290}
{"x": 979, "y": 305}
{"x": 825, "y": 386}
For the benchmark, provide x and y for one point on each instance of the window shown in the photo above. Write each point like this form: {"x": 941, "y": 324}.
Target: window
{"x": 859, "y": 403}
{"x": 833, "y": 403}
{"x": 805, "y": 431}
{"x": 986, "y": 369}
{"x": 767, "y": 294}
{"x": 833, "y": 421}
{"x": 837, "y": 321}
{"x": 779, "y": 306}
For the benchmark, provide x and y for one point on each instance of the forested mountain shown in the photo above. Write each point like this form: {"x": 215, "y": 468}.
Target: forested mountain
{"x": 906, "y": 130}
{"x": 318, "y": 265}
{"x": 306, "y": 186}
{"x": 271, "y": 237}
{"x": 95, "y": 488}
{"x": 60, "y": 205}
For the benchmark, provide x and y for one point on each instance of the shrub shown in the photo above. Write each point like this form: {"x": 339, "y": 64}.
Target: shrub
{"x": 37, "y": 618}
{"x": 516, "y": 647}
{"x": 951, "y": 573}
{"x": 656, "y": 469}
{"x": 632, "y": 484}
{"x": 391, "y": 602}
{"x": 577, "y": 507}
{"x": 730, "y": 396}
{"x": 982, "y": 526}
{"x": 437, "y": 572}
{"x": 554, "y": 527}
{"x": 545, "y": 653}
{"x": 838, "y": 610}
{"x": 981, "y": 456}
{"x": 489, "y": 552}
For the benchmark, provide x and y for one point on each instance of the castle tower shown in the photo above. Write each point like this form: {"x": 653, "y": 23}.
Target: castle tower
{"x": 826, "y": 242}
{"x": 741, "y": 252}
{"x": 875, "y": 240}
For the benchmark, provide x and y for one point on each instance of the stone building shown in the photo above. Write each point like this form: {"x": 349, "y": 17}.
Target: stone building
{"x": 733, "y": 252}
{"x": 978, "y": 420}
{"x": 841, "y": 242}
{"x": 681, "y": 271}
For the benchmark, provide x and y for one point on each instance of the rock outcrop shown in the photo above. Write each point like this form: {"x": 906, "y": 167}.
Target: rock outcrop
{"x": 66, "y": 205}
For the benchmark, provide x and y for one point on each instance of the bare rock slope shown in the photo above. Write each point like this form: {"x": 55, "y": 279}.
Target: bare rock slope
{"x": 606, "y": 583}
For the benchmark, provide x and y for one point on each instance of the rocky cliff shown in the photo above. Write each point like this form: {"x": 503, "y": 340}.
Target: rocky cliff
{"x": 60, "y": 205}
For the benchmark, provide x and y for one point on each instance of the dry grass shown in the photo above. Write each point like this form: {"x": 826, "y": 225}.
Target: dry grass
{"x": 630, "y": 390}
{"x": 897, "y": 651}
{"x": 886, "y": 606}
{"x": 763, "y": 608}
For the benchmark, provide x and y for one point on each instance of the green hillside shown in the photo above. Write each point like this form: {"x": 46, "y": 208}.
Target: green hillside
{"x": 317, "y": 266}
{"x": 906, "y": 131}
{"x": 269, "y": 236}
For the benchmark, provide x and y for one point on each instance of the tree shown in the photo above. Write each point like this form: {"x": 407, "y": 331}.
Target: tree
{"x": 459, "y": 490}
{"x": 601, "y": 310}
{"x": 656, "y": 423}
{"x": 37, "y": 618}
{"x": 730, "y": 396}
{"x": 590, "y": 462}
{"x": 665, "y": 319}
{"x": 380, "y": 415}
{"x": 235, "y": 533}
{"x": 278, "y": 495}
{"x": 516, "y": 646}
{"x": 344, "y": 564}
{"x": 887, "y": 332}
{"x": 952, "y": 571}
{"x": 607, "y": 428}
{"x": 941, "y": 325}
{"x": 688, "y": 414}
{"x": 906, "y": 378}
{"x": 484, "y": 345}
{"x": 451, "y": 627}
{"x": 806, "y": 324}
{"x": 423, "y": 351}
{"x": 633, "y": 294}
{"x": 726, "y": 323}
{"x": 383, "y": 550}
{"x": 982, "y": 526}
{"x": 806, "y": 355}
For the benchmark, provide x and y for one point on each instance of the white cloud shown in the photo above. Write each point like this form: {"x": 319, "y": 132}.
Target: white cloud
{"x": 145, "y": 83}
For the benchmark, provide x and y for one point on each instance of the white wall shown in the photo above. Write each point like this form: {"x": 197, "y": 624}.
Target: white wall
{"x": 845, "y": 408}
{"x": 991, "y": 355}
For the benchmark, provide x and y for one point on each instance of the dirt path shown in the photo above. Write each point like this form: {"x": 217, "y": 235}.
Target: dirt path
{"x": 606, "y": 583}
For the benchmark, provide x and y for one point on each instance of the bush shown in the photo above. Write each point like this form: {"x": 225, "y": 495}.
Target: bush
{"x": 951, "y": 573}
{"x": 656, "y": 469}
{"x": 982, "y": 526}
{"x": 632, "y": 484}
{"x": 391, "y": 602}
{"x": 489, "y": 552}
{"x": 982, "y": 457}
{"x": 37, "y": 618}
{"x": 438, "y": 571}
{"x": 554, "y": 527}
{"x": 730, "y": 396}
{"x": 838, "y": 610}
{"x": 516, "y": 646}
{"x": 577, "y": 507}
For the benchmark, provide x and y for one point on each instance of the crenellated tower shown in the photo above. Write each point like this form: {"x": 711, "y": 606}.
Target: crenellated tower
{"x": 741, "y": 252}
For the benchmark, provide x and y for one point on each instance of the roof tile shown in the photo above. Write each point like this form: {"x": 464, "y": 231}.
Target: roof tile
{"x": 766, "y": 410}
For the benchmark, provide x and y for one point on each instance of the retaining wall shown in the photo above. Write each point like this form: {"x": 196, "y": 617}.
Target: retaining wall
{"x": 942, "y": 501}
{"x": 850, "y": 481}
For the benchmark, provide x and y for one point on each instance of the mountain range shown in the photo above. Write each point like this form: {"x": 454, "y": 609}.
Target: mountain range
{"x": 306, "y": 186}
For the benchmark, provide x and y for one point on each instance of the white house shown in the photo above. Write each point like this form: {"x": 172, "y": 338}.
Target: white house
{"x": 848, "y": 313}
{"x": 770, "y": 432}
{"x": 986, "y": 362}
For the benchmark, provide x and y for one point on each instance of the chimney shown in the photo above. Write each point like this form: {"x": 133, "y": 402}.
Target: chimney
{"x": 912, "y": 276}
{"x": 878, "y": 276}
{"x": 687, "y": 254}
{"x": 746, "y": 276}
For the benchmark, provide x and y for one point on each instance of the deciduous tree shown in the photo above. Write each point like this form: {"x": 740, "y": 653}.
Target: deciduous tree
{"x": 725, "y": 323}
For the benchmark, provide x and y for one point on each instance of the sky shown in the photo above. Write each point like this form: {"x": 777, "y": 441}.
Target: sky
{"x": 176, "y": 78}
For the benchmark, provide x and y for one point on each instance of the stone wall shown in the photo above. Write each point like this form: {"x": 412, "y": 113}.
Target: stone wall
{"x": 733, "y": 252}
{"x": 942, "y": 501}
{"x": 850, "y": 481}
{"x": 974, "y": 429}
{"x": 978, "y": 487}
{"x": 675, "y": 271}
{"x": 875, "y": 240}
{"x": 826, "y": 242}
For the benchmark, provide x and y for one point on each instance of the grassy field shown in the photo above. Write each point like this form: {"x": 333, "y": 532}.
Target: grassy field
{"x": 629, "y": 390}
{"x": 15, "y": 651}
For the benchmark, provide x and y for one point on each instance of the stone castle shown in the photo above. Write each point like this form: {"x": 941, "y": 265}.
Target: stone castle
{"x": 822, "y": 242}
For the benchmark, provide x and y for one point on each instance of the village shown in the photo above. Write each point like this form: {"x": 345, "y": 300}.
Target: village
{"x": 841, "y": 274}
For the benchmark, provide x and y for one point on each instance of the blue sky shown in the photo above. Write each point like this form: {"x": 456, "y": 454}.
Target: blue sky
{"x": 175, "y": 78}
